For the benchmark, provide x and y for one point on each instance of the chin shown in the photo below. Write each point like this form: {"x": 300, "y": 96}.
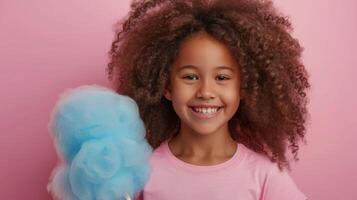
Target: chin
{"x": 204, "y": 131}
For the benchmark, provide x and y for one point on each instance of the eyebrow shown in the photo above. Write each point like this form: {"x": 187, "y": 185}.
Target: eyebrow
{"x": 194, "y": 67}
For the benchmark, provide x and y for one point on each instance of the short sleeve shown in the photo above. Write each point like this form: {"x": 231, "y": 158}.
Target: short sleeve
{"x": 279, "y": 185}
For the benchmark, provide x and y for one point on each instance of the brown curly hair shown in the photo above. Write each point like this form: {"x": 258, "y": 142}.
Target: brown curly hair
{"x": 274, "y": 80}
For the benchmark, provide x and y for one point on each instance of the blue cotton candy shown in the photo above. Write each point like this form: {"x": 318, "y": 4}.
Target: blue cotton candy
{"x": 101, "y": 138}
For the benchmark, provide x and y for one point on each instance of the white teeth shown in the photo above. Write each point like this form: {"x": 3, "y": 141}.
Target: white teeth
{"x": 205, "y": 110}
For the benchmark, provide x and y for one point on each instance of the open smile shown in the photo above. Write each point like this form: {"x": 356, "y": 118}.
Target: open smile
{"x": 205, "y": 113}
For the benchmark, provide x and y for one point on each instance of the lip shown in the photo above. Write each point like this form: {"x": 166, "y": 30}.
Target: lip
{"x": 207, "y": 115}
{"x": 205, "y": 106}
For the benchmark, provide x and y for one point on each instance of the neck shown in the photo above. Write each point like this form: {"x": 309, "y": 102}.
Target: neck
{"x": 190, "y": 144}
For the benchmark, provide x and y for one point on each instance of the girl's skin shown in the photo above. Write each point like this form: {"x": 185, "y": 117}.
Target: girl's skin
{"x": 204, "y": 141}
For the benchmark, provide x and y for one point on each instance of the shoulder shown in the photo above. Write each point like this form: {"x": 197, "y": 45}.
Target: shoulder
{"x": 280, "y": 184}
{"x": 256, "y": 161}
{"x": 274, "y": 183}
{"x": 158, "y": 156}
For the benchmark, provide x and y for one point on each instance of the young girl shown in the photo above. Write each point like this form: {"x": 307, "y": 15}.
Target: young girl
{"x": 222, "y": 91}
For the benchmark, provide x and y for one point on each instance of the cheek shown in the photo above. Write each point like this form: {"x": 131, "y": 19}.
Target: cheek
{"x": 178, "y": 96}
{"x": 232, "y": 96}
{"x": 182, "y": 91}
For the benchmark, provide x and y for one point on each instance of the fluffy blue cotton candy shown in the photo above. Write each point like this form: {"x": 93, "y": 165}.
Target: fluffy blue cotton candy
{"x": 101, "y": 138}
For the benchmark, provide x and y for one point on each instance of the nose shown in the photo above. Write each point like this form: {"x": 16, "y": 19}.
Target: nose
{"x": 205, "y": 90}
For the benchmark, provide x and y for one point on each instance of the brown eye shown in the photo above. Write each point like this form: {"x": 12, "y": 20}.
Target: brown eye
{"x": 190, "y": 77}
{"x": 222, "y": 78}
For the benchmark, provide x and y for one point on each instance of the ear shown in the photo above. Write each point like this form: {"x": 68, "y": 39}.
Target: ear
{"x": 167, "y": 92}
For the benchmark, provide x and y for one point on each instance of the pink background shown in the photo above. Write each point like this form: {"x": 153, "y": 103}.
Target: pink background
{"x": 47, "y": 46}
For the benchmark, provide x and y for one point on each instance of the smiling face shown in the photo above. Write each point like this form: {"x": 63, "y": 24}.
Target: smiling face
{"x": 204, "y": 73}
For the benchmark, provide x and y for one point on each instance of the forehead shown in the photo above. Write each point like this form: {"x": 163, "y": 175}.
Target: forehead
{"x": 202, "y": 50}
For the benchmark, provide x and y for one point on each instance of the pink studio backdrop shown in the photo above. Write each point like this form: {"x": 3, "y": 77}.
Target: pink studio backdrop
{"x": 48, "y": 46}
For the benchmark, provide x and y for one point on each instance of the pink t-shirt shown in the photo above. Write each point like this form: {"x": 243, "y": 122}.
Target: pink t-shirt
{"x": 246, "y": 176}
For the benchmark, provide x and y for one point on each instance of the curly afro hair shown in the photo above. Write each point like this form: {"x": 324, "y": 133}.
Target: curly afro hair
{"x": 272, "y": 114}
